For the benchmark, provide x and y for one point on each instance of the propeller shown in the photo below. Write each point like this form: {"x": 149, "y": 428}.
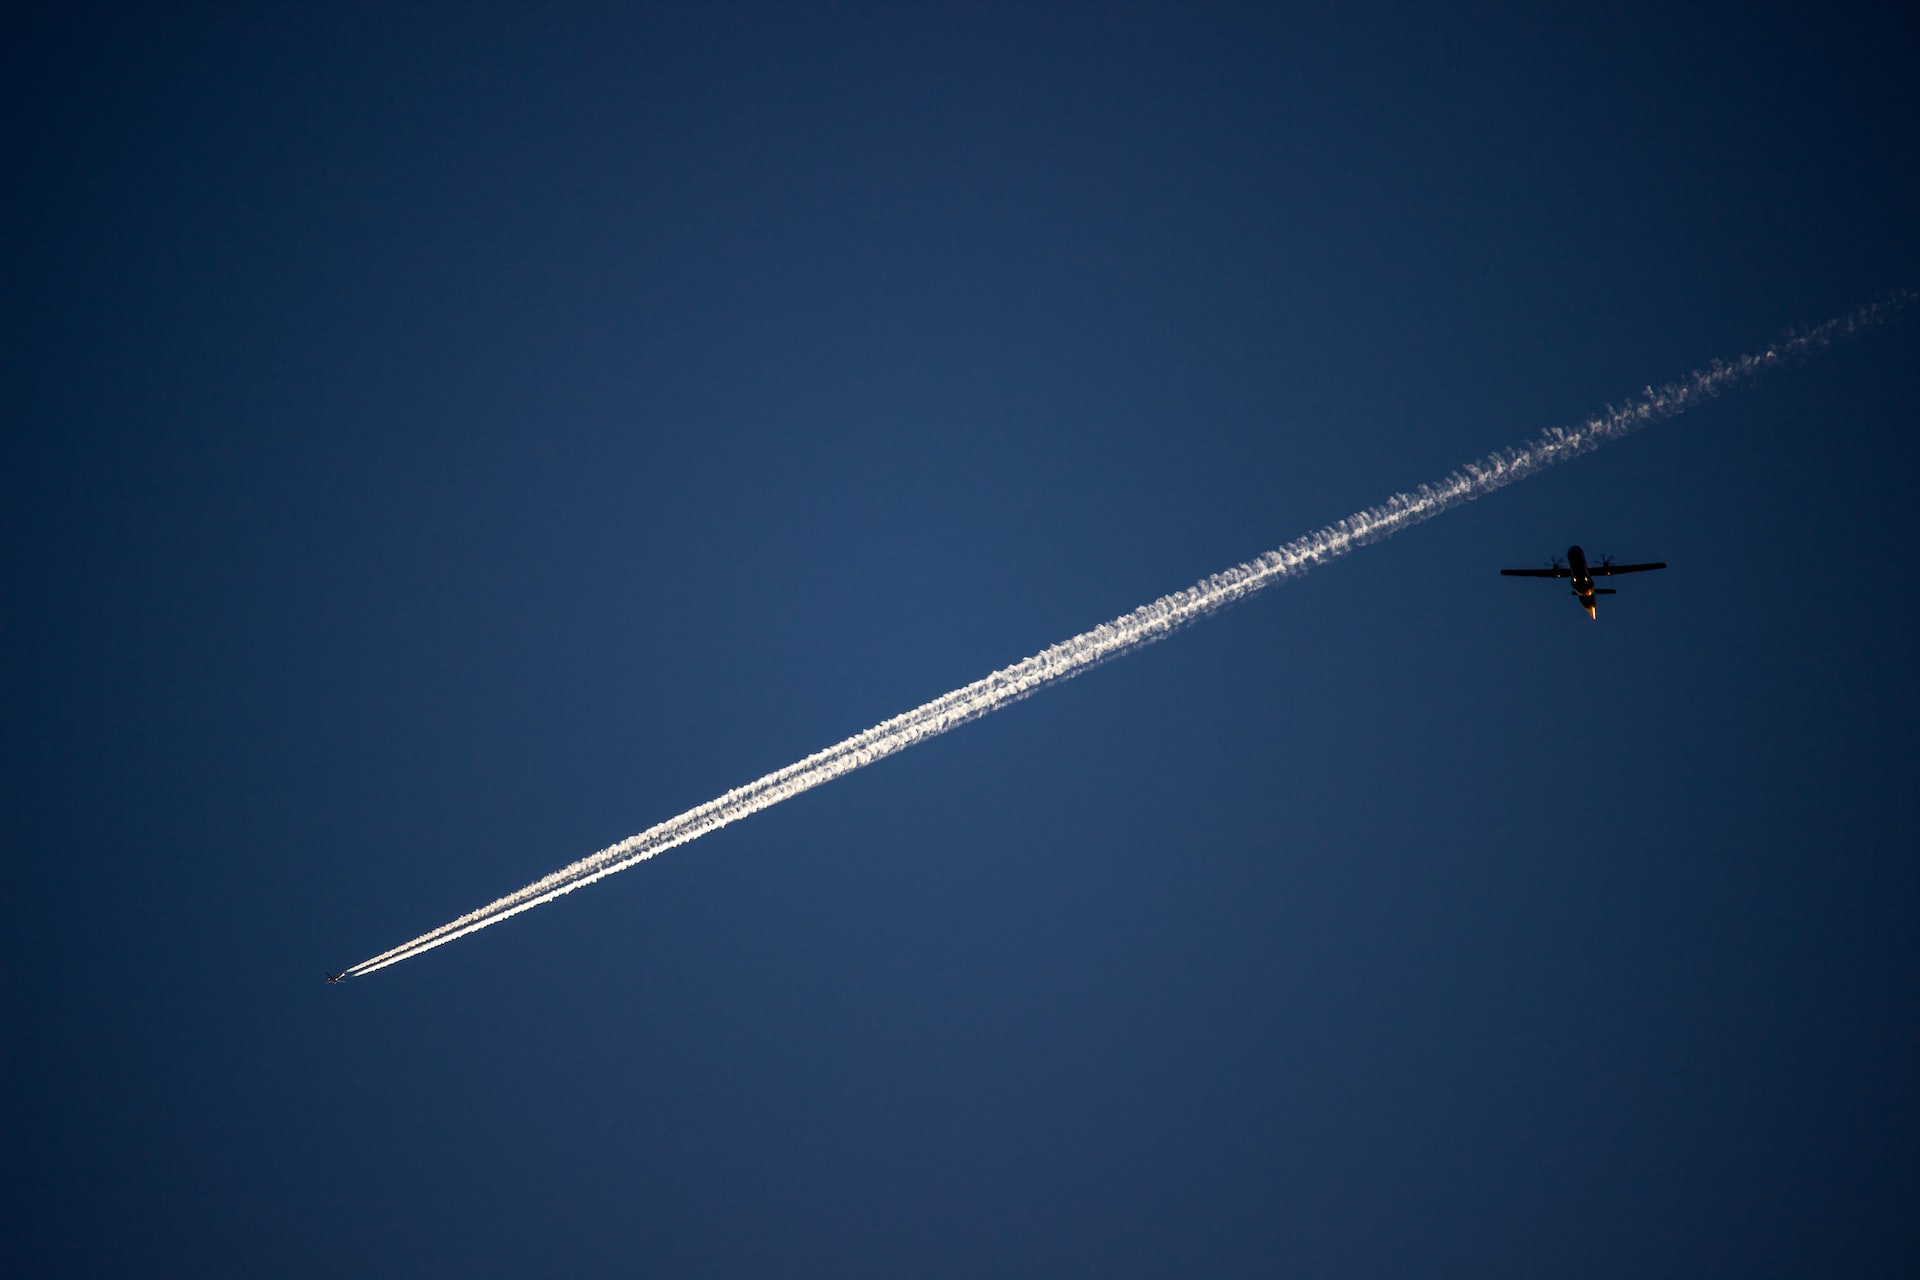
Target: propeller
{"x": 1555, "y": 564}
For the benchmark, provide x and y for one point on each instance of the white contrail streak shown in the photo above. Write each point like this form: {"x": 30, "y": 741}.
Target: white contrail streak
{"x": 1144, "y": 626}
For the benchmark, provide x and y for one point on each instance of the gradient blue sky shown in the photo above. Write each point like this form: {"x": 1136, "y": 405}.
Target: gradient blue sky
{"x": 442, "y": 441}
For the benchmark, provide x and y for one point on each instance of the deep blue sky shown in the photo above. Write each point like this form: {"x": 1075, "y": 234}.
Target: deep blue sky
{"x": 439, "y": 443}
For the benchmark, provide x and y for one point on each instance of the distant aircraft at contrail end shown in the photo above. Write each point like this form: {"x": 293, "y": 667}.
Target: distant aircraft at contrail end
{"x": 1145, "y": 625}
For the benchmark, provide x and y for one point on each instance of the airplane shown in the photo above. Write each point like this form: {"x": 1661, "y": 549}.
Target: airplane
{"x": 334, "y": 978}
{"x": 1583, "y": 574}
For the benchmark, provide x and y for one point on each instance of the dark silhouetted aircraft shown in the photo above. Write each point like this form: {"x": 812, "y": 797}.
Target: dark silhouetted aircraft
{"x": 333, "y": 978}
{"x": 1583, "y": 575}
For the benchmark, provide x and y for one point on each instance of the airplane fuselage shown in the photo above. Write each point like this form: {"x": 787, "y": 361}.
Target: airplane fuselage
{"x": 1582, "y": 577}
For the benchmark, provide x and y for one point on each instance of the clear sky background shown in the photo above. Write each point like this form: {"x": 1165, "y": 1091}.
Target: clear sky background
{"x": 440, "y": 442}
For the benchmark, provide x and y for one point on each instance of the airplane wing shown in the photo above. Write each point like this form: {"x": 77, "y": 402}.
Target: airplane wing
{"x": 1600, "y": 570}
{"x": 1540, "y": 573}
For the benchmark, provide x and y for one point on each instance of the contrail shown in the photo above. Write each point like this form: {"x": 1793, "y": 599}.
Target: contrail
{"x": 1148, "y": 624}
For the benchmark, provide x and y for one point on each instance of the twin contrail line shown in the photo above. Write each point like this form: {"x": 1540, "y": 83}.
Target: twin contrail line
{"x": 1148, "y": 624}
